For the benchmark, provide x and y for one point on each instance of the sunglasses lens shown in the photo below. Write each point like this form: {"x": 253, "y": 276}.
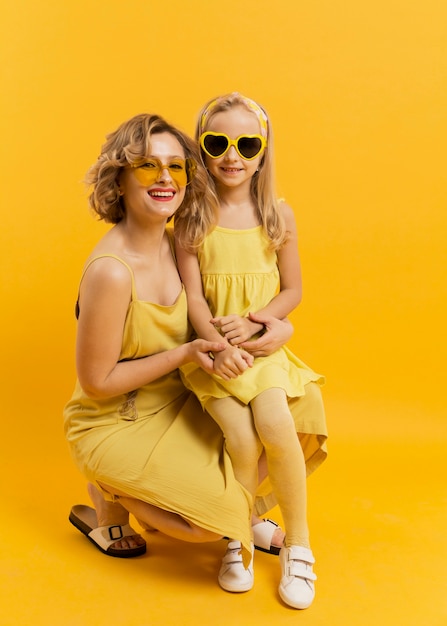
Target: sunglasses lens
{"x": 215, "y": 145}
{"x": 249, "y": 147}
{"x": 147, "y": 174}
{"x": 178, "y": 173}
{"x": 181, "y": 172}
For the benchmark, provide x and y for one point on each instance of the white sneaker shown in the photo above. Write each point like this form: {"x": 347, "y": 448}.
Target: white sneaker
{"x": 297, "y": 587}
{"x": 232, "y": 574}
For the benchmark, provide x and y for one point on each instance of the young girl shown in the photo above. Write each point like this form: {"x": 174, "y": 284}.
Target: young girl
{"x": 237, "y": 262}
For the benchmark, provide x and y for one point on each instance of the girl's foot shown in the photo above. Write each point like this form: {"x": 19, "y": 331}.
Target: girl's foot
{"x": 297, "y": 587}
{"x": 232, "y": 574}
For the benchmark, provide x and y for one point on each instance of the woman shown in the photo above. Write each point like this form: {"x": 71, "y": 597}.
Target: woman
{"x": 137, "y": 435}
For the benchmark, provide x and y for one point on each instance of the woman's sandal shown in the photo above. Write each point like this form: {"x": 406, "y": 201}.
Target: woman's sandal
{"x": 84, "y": 519}
{"x": 263, "y": 534}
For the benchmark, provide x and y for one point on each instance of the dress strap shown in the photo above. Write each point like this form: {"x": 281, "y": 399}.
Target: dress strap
{"x": 102, "y": 256}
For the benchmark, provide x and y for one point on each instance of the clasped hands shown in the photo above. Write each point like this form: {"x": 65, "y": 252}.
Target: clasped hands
{"x": 240, "y": 350}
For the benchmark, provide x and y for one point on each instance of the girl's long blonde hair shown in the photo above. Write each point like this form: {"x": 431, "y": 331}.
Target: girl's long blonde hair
{"x": 192, "y": 231}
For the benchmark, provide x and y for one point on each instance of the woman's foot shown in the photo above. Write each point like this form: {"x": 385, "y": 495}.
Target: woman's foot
{"x": 113, "y": 514}
{"x": 268, "y": 535}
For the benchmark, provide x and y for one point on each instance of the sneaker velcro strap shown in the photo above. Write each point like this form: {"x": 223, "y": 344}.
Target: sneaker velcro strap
{"x": 233, "y": 553}
{"x": 232, "y": 557}
{"x": 297, "y": 553}
{"x": 296, "y": 568}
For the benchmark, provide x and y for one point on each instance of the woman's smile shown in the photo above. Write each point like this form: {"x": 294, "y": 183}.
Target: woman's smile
{"x": 162, "y": 195}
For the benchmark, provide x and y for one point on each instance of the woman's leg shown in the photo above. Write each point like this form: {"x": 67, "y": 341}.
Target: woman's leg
{"x": 287, "y": 469}
{"x": 166, "y": 522}
{"x": 113, "y": 514}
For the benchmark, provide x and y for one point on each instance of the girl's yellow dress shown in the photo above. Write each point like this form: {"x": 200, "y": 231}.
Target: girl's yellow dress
{"x": 240, "y": 275}
{"x": 156, "y": 443}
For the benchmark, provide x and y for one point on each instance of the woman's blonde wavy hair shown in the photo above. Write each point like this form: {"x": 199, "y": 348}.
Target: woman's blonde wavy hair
{"x": 191, "y": 233}
{"x": 130, "y": 143}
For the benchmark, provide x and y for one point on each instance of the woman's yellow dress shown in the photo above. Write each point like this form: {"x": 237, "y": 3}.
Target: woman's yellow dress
{"x": 156, "y": 443}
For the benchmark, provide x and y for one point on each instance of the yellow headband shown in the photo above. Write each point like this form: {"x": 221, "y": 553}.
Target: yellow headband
{"x": 260, "y": 114}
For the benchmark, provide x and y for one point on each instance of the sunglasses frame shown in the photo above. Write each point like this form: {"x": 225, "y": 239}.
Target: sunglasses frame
{"x": 189, "y": 165}
{"x": 232, "y": 142}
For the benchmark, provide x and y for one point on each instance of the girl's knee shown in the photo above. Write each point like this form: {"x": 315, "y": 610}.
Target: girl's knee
{"x": 276, "y": 429}
{"x": 242, "y": 450}
{"x": 244, "y": 440}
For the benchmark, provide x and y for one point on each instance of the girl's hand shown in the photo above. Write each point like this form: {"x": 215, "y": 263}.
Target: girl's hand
{"x": 200, "y": 352}
{"x": 277, "y": 333}
{"x": 235, "y": 328}
{"x": 231, "y": 362}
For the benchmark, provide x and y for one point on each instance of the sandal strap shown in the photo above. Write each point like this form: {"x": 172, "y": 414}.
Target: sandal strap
{"x": 271, "y": 521}
{"x": 105, "y": 536}
{"x": 263, "y": 533}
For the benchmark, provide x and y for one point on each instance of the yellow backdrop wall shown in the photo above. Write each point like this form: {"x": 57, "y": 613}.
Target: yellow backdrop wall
{"x": 357, "y": 97}
{"x": 357, "y": 94}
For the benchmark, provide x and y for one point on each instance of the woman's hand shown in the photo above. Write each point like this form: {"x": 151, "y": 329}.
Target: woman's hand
{"x": 202, "y": 353}
{"x": 277, "y": 333}
{"x": 236, "y": 329}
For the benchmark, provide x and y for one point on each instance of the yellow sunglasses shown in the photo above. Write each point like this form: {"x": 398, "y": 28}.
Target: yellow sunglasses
{"x": 182, "y": 171}
{"x": 248, "y": 147}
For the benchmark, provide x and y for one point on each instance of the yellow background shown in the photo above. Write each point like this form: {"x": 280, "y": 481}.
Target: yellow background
{"x": 357, "y": 96}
